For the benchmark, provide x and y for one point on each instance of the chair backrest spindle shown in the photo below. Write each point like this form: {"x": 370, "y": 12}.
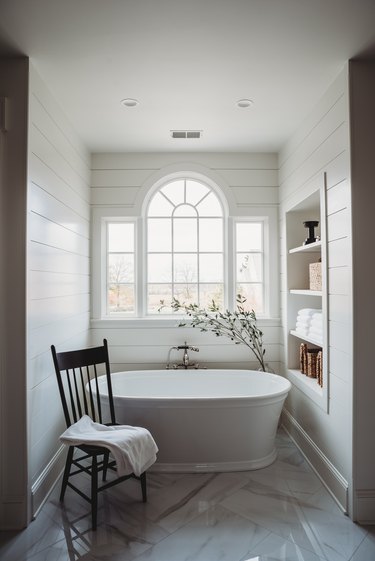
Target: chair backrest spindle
{"x": 73, "y": 373}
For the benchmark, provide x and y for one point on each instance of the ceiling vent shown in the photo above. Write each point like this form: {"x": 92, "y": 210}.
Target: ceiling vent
{"x": 186, "y": 134}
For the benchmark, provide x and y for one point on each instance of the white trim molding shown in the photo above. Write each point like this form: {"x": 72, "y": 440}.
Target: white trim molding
{"x": 46, "y": 481}
{"x": 331, "y": 478}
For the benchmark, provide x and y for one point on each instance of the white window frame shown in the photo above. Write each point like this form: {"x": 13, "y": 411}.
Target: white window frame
{"x": 265, "y": 259}
{"x": 101, "y": 215}
{"x": 224, "y": 252}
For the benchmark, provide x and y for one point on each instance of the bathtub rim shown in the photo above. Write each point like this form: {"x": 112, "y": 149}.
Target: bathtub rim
{"x": 264, "y": 398}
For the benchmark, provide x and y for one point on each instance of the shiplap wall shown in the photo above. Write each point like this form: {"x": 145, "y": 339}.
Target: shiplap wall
{"x": 322, "y": 145}
{"x": 58, "y": 272}
{"x": 117, "y": 181}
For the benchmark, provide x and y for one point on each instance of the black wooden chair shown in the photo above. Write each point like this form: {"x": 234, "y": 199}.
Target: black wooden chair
{"x": 74, "y": 369}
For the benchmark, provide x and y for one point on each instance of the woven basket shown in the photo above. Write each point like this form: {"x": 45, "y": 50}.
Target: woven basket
{"x": 315, "y": 276}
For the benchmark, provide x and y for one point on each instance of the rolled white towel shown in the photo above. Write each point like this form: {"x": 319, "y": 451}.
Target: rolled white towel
{"x": 304, "y": 324}
{"x": 307, "y": 311}
{"x": 318, "y": 324}
{"x": 317, "y": 319}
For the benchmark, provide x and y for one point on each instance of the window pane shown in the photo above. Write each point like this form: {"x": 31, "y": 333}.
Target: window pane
{"x": 210, "y": 234}
{"x": 209, "y": 292}
{"x": 175, "y": 191}
{"x": 155, "y": 293}
{"x": 195, "y": 192}
{"x": 159, "y": 268}
{"x": 249, "y": 236}
{"x": 185, "y": 268}
{"x": 185, "y": 210}
{"x": 254, "y": 296}
{"x": 249, "y": 267}
{"x": 210, "y": 206}
{"x": 186, "y": 293}
{"x": 121, "y": 298}
{"x": 185, "y": 234}
{"x": 120, "y": 237}
{"x": 120, "y": 268}
{"x": 159, "y": 206}
{"x": 210, "y": 268}
{"x": 159, "y": 234}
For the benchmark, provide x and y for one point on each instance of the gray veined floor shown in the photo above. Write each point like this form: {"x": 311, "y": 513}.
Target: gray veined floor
{"x": 278, "y": 513}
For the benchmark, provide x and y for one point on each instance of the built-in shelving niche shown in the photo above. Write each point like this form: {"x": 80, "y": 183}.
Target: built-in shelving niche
{"x": 298, "y": 294}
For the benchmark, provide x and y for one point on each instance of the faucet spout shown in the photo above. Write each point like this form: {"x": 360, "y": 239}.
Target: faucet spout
{"x": 185, "y": 358}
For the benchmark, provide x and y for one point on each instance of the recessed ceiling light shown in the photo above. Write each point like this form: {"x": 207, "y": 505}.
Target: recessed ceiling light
{"x": 243, "y": 103}
{"x": 128, "y": 102}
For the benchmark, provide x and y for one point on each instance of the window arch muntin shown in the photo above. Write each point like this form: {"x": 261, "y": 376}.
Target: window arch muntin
{"x": 206, "y": 278}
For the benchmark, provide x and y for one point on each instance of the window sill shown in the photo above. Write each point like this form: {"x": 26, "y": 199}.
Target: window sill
{"x": 147, "y": 322}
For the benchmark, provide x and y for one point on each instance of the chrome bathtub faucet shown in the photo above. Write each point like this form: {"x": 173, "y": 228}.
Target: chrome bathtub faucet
{"x": 185, "y": 359}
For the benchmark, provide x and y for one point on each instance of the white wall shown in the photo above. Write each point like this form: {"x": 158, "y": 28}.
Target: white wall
{"x": 58, "y": 272}
{"x": 119, "y": 181}
{"x": 13, "y": 170}
{"x": 322, "y": 145}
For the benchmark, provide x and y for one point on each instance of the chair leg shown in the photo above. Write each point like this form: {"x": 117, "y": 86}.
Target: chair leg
{"x": 144, "y": 487}
{"x": 105, "y": 465}
{"x": 94, "y": 491}
{"x": 68, "y": 464}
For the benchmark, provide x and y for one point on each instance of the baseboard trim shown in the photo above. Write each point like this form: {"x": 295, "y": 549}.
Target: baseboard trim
{"x": 46, "y": 481}
{"x": 331, "y": 478}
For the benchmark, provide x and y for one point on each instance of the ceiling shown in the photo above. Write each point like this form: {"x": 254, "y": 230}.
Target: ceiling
{"x": 187, "y": 62}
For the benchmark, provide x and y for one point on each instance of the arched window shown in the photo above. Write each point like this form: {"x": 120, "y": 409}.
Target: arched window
{"x": 185, "y": 245}
{"x": 179, "y": 242}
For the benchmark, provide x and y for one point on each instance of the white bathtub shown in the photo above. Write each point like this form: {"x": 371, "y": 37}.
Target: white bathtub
{"x": 204, "y": 420}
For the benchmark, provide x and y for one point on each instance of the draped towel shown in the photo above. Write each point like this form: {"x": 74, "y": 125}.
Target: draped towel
{"x": 133, "y": 448}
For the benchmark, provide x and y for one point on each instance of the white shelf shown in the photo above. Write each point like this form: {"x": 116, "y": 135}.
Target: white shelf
{"x": 306, "y": 338}
{"x": 311, "y": 247}
{"x": 306, "y": 292}
{"x": 298, "y": 295}
{"x": 308, "y": 386}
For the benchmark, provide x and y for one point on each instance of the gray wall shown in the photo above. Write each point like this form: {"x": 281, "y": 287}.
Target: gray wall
{"x": 362, "y": 96}
{"x": 13, "y": 170}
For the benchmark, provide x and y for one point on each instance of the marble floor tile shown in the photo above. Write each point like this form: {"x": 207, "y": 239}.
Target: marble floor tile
{"x": 275, "y": 548}
{"x": 278, "y": 513}
{"x": 39, "y": 535}
{"x": 201, "y": 499}
{"x": 216, "y": 534}
{"x": 328, "y": 534}
{"x": 366, "y": 549}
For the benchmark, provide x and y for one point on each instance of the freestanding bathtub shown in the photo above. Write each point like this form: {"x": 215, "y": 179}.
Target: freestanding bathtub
{"x": 203, "y": 420}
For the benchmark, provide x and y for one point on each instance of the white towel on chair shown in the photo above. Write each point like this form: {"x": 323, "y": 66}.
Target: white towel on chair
{"x": 133, "y": 448}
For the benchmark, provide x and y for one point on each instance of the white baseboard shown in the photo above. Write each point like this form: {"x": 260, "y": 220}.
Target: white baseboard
{"x": 331, "y": 478}
{"x": 46, "y": 481}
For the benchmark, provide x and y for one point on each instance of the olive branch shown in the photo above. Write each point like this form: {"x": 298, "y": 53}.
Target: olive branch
{"x": 240, "y": 326}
